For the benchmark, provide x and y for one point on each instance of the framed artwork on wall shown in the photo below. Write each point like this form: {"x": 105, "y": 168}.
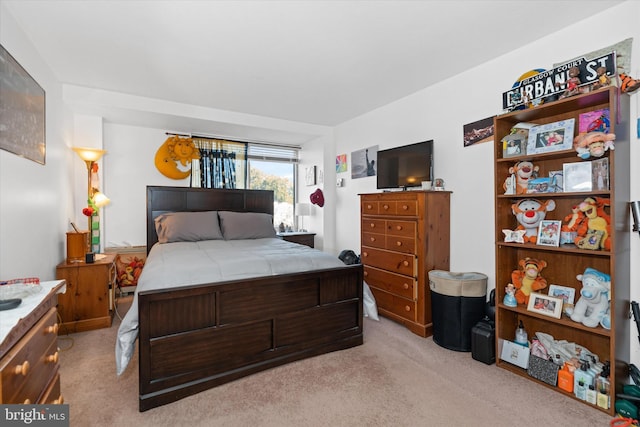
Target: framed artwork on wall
{"x": 310, "y": 175}
{"x": 23, "y": 111}
{"x": 551, "y": 137}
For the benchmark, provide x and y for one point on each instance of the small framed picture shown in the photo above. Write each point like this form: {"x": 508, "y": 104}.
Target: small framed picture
{"x": 545, "y": 304}
{"x": 567, "y": 294}
{"x": 310, "y": 175}
{"x": 577, "y": 177}
{"x": 514, "y": 145}
{"x": 551, "y": 137}
{"x": 549, "y": 232}
{"x": 557, "y": 181}
{"x": 600, "y": 174}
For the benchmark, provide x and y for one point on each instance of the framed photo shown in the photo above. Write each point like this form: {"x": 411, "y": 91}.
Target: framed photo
{"x": 310, "y": 175}
{"x": 549, "y": 232}
{"x": 514, "y": 145}
{"x": 594, "y": 121}
{"x": 557, "y": 181}
{"x": 364, "y": 162}
{"x": 577, "y": 176}
{"x": 600, "y": 174}
{"x": 551, "y": 137}
{"x": 23, "y": 111}
{"x": 567, "y": 294}
{"x": 545, "y": 304}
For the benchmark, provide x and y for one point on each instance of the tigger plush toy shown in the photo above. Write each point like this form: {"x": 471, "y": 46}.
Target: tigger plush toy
{"x": 523, "y": 172}
{"x": 527, "y": 278}
{"x": 529, "y": 214}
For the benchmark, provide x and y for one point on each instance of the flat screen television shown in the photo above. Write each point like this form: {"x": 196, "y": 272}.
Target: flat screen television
{"x": 405, "y": 166}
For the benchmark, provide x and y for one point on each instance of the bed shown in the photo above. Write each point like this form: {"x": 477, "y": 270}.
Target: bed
{"x": 195, "y": 332}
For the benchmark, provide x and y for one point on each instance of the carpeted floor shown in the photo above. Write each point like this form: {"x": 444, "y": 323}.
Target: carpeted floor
{"x": 395, "y": 379}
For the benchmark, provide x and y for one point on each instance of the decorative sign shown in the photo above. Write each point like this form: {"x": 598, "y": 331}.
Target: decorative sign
{"x": 553, "y": 82}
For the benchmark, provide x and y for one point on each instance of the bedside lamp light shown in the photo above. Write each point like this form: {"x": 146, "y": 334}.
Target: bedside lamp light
{"x": 302, "y": 210}
{"x": 94, "y": 197}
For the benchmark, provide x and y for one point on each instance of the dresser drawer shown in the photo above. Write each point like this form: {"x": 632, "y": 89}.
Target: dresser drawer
{"x": 53, "y": 394}
{"x": 29, "y": 366}
{"x": 391, "y": 261}
{"x": 401, "y": 244}
{"x": 368, "y": 207}
{"x": 369, "y": 225}
{"x": 406, "y": 207}
{"x": 401, "y": 228}
{"x": 374, "y": 240}
{"x": 397, "y": 284}
{"x": 399, "y": 306}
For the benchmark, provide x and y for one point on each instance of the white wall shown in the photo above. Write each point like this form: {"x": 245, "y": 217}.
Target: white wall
{"x": 440, "y": 112}
{"x": 35, "y": 200}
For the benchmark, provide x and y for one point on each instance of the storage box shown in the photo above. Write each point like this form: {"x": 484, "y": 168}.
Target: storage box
{"x": 483, "y": 341}
{"x": 515, "y": 354}
{"x": 543, "y": 370}
{"x": 77, "y": 246}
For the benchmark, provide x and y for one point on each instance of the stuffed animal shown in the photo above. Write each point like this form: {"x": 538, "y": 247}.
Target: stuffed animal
{"x": 527, "y": 278}
{"x": 529, "y": 213}
{"x": 628, "y": 84}
{"x": 593, "y": 304}
{"x": 593, "y": 144}
{"x": 596, "y": 223}
{"x": 523, "y": 171}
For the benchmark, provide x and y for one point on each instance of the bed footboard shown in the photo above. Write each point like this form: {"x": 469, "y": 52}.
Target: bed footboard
{"x": 197, "y": 337}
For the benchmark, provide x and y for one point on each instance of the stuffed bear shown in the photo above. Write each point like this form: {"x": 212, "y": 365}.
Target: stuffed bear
{"x": 594, "y": 298}
{"x": 529, "y": 214}
{"x": 593, "y": 144}
{"x": 527, "y": 278}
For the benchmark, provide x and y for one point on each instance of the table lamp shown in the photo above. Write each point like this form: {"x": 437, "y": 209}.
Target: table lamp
{"x": 302, "y": 210}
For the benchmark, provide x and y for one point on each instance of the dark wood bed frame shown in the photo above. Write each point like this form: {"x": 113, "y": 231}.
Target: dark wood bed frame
{"x": 197, "y": 337}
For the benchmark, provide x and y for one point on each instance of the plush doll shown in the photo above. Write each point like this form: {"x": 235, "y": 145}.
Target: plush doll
{"x": 527, "y": 278}
{"x": 529, "y": 213}
{"x": 523, "y": 171}
{"x": 597, "y": 224}
{"x": 628, "y": 84}
{"x": 593, "y": 144}
{"x": 593, "y": 304}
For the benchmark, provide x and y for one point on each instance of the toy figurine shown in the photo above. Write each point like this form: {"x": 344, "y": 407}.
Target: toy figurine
{"x": 628, "y": 84}
{"x": 603, "y": 79}
{"x": 509, "y": 297}
{"x": 573, "y": 83}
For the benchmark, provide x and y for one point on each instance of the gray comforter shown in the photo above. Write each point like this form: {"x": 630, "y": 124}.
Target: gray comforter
{"x": 172, "y": 265}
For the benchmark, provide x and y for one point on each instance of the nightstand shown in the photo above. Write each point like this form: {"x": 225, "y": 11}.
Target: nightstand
{"x": 88, "y": 302}
{"x": 300, "y": 237}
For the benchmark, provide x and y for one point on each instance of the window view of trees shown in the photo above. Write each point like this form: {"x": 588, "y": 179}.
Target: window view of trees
{"x": 276, "y": 176}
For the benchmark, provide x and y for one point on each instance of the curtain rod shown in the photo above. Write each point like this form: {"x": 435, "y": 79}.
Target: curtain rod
{"x": 255, "y": 141}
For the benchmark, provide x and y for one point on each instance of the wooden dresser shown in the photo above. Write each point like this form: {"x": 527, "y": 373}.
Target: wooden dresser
{"x": 404, "y": 235}
{"x": 29, "y": 366}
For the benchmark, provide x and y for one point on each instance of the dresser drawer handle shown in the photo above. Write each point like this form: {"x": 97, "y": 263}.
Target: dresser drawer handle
{"x": 398, "y": 243}
{"x": 385, "y": 207}
{"x": 365, "y": 254}
{"x": 398, "y": 227}
{"x": 405, "y": 207}
{"x": 27, "y": 401}
{"x": 22, "y": 369}
{"x": 405, "y": 263}
{"x": 406, "y": 286}
{"x": 372, "y": 225}
{"x": 369, "y": 206}
{"x": 366, "y": 273}
{"x": 58, "y": 401}
{"x": 373, "y": 239}
{"x": 53, "y": 329}
{"x": 52, "y": 358}
{"x": 407, "y": 308}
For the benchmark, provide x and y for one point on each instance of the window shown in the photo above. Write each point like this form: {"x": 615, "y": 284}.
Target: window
{"x": 273, "y": 167}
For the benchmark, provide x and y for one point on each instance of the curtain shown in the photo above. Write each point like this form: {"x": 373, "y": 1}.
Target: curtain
{"x": 222, "y": 164}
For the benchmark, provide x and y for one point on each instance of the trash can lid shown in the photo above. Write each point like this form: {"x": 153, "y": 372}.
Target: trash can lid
{"x": 468, "y": 284}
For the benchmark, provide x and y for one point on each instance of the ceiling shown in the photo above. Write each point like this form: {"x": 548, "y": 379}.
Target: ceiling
{"x": 314, "y": 62}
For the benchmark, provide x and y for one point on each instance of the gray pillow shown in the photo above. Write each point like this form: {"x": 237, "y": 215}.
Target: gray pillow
{"x": 246, "y": 225}
{"x": 188, "y": 227}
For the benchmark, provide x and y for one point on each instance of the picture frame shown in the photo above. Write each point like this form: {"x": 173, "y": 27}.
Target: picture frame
{"x": 310, "y": 175}
{"x": 23, "y": 100}
{"x": 577, "y": 177}
{"x": 514, "y": 145}
{"x": 545, "y": 305}
{"x": 477, "y": 132}
{"x": 551, "y": 137}
{"x": 567, "y": 294}
{"x": 549, "y": 232}
{"x": 600, "y": 174}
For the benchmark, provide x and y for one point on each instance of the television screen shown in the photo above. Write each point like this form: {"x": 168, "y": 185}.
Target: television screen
{"x": 405, "y": 166}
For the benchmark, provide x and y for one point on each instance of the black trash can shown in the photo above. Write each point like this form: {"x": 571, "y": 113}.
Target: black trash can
{"x": 457, "y": 304}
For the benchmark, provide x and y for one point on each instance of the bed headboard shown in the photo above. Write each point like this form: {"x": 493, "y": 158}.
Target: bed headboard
{"x": 180, "y": 199}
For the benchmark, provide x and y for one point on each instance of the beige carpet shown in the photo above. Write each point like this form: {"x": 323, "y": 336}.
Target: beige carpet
{"x": 395, "y": 379}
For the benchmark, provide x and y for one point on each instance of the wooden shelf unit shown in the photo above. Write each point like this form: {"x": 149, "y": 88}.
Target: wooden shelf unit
{"x": 566, "y": 261}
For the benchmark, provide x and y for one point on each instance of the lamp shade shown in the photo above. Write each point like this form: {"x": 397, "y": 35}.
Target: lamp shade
{"x": 100, "y": 200}
{"x": 303, "y": 209}
{"x": 89, "y": 154}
